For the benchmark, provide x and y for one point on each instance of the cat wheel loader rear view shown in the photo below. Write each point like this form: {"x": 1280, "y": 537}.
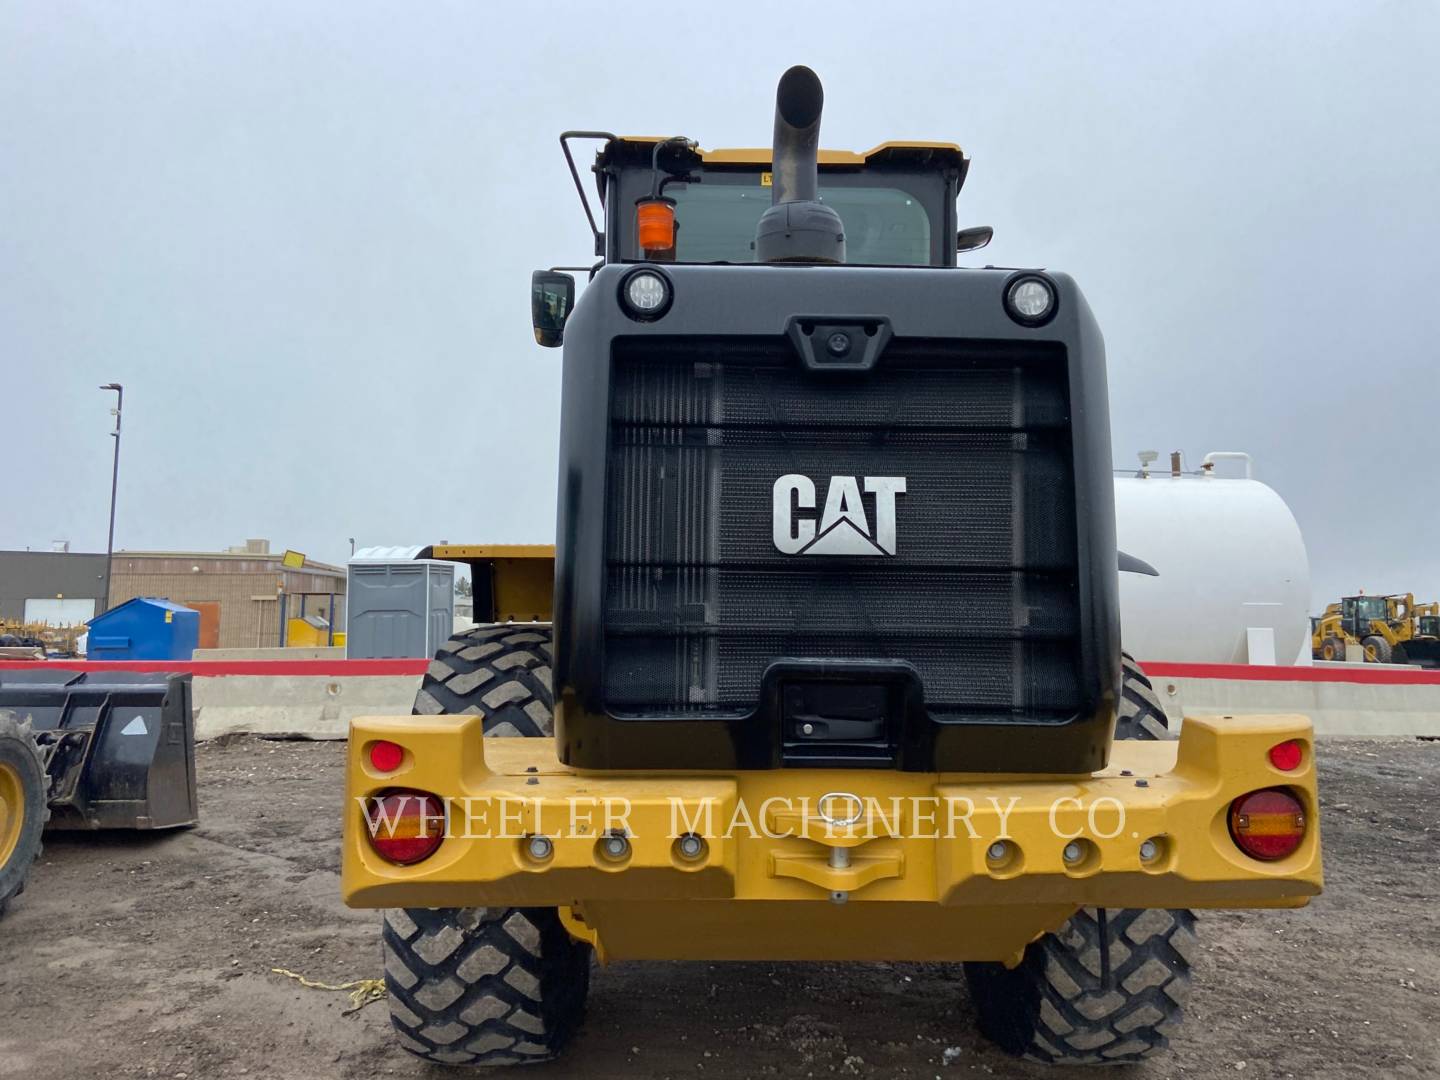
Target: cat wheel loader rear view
{"x": 835, "y": 670}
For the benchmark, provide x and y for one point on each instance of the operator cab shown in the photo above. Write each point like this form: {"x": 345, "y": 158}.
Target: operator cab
{"x": 666, "y": 200}
{"x": 897, "y": 201}
{"x": 1357, "y": 613}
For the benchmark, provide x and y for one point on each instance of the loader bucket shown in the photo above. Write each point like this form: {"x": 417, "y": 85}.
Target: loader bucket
{"x": 119, "y": 746}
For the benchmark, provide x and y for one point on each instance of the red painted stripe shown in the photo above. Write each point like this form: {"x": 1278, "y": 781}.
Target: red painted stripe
{"x": 232, "y": 667}
{"x": 1378, "y": 675}
{"x": 1159, "y": 669}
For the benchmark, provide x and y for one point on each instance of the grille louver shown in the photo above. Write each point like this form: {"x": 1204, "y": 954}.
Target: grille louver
{"x": 981, "y": 595}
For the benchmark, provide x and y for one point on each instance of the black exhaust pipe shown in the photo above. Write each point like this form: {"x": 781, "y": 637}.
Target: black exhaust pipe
{"x": 798, "y": 227}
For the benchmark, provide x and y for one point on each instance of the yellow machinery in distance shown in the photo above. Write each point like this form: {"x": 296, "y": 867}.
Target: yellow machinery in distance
{"x": 1391, "y": 628}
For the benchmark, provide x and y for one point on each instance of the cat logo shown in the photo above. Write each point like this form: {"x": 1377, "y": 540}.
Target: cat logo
{"x": 844, "y": 528}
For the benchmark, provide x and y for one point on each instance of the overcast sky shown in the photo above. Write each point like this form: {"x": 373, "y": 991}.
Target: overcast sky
{"x": 300, "y": 234}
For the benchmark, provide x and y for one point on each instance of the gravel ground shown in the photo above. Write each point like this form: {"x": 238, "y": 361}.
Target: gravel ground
{"x": 152, "y": 956}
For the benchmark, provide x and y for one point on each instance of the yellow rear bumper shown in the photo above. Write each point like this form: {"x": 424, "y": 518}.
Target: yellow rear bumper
{"x": 917, "y": 874}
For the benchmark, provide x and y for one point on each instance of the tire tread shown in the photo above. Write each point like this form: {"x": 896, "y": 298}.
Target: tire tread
{"x": 501, "y": 672}
{"x": 1083, "y": 996}
{"x": 20, "y": 737}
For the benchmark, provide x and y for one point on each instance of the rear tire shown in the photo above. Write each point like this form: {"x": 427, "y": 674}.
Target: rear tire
{"x": 501, "y": 672}
{"x": 23, "y": 807}
{"x": 1108, "y": 986}
{"x": 484, "y": 986}
{"x": 487, "y": 986}
{"x": 1332, "y": 649}
{"x": 1141, "y": 715}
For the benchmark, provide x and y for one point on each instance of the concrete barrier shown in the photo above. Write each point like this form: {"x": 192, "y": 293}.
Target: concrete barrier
{"x": 307, "y": 706}
{"x": 318, "y": 697}
{"x": 322, "y": 652}
{"x": 1343, "y": 700}
{"x": 308, "y": 698}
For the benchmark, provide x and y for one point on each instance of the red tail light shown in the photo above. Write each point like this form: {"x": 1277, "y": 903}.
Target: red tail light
{"x": 386, "y": 756}
{"x": 1287, "y": 756}
{"x": 1267, "y": 825}
{"x": 405, "y": 826}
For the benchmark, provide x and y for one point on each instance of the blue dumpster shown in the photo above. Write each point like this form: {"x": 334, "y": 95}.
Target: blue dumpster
{"x": 144, "y": 629}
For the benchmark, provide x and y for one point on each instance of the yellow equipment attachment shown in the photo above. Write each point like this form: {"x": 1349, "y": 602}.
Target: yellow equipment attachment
{"x": 828, "y": 864}
{"x": 511, "y": 582}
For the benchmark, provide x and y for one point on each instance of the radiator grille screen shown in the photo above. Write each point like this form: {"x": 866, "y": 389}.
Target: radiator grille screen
{"x": 980, "y": 593}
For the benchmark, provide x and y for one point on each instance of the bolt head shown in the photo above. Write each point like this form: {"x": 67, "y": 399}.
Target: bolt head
{"x": 1148, "y": 850}
{"x": 838, "y": 343}
{"x": 616, "y": 846}
{"x": 1073, "y": 852}
{"x": 997, "y": 850}
{"x": 691, "y": 846}
{"x": 540, "y": 848}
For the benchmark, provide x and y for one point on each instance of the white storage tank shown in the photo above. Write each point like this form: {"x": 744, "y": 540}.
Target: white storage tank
{"x": 1233, "y": 582}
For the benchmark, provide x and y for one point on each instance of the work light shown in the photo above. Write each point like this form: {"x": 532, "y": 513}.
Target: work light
{"x": 646, "y": 294}
{"x": 1030, "y": 300}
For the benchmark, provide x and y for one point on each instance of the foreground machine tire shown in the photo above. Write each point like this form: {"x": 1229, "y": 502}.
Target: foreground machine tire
{"x": 487, "y": 986}
{"x": 484, "y": 986}
{"x": 23, "y": 807}
{"x": 1108, "y": 986}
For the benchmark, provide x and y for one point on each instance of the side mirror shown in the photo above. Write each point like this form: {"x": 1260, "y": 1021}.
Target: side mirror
{"x": 974, "y": 239}
{"x": 552, "y": 295}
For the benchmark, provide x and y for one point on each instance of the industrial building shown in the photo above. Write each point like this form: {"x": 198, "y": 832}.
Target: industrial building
{"x": 244, "y": 595}
{"x": 60, "y": 587}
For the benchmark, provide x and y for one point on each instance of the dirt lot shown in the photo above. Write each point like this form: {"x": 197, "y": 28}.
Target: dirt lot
{"x": 152, "y": 957}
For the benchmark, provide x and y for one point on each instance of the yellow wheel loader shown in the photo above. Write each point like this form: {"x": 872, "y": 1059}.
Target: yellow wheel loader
{"x": 832, "y": 669}
{"x": 1392, "y": 629}
{"x": 23, "y": 806}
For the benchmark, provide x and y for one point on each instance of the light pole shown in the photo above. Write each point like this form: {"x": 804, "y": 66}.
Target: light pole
{"x": 114, "y": 484}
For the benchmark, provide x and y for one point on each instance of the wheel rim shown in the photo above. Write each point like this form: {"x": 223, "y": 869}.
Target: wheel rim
{"x": 12, "y": 811}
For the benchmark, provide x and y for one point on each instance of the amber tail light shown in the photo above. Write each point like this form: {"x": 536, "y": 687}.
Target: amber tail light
{"x": 1267, "y": 825}
{"x": 405, "y": 827}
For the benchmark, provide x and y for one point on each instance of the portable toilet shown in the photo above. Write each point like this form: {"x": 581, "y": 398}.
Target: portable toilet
{"x": 397, "y": 604}
{"x": 144, "y": 628}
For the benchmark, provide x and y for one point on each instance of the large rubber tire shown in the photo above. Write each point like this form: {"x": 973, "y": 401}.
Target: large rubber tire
{"x": 23, "y": 806}
{"x": 1378, "y": 649}
{"x": 1332, "y": 649}
{"x": 1141, "y": 715}
{"x": 1108, "y": 987}
{"x": 484, "y": 986}
{"x": 500, "y": 672}
{"x": 487, "y": 986}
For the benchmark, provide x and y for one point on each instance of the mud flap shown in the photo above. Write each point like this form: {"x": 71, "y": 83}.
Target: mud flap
{"x": 119, "y": 746}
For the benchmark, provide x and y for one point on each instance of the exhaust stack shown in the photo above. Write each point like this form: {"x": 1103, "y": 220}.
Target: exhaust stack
{"x": 798, "y": 227}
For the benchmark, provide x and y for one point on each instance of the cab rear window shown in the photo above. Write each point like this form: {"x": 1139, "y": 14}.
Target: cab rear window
{"x": 715, "y": 222}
